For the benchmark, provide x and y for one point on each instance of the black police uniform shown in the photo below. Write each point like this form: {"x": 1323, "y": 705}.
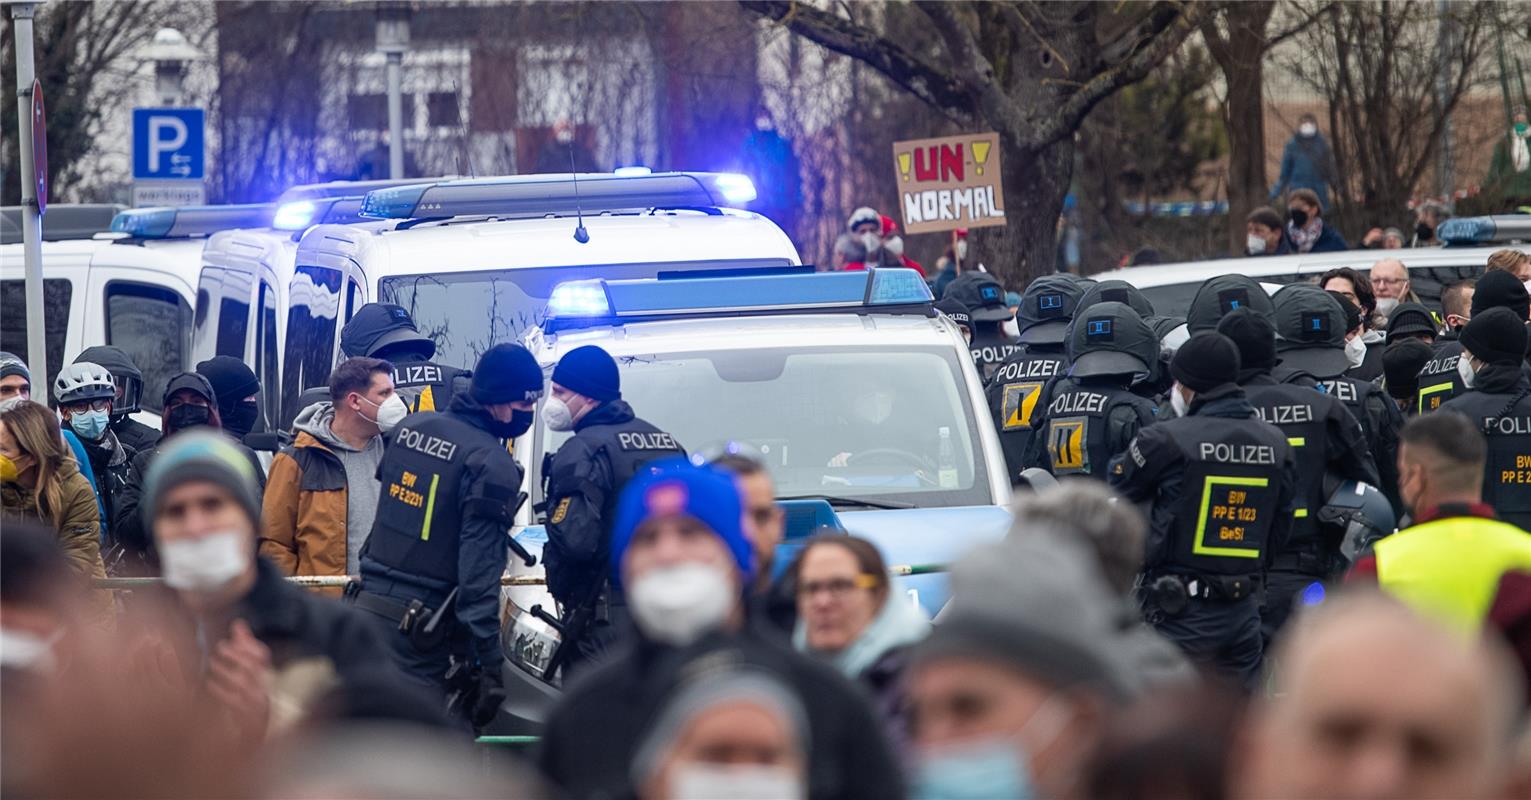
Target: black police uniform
{"x": 425, "y": 385}
{"x": 1220, "y": 483}
{"x": 1091, "y": 415}
{"x": 449, "y": 490}
{"x": 1500, "y": 403}
{"x": 584, "y": 478}
{"x": 386, "y": 331}
{"x": 1438, "y": 379}
{"x": 985, "y": 299}
{"x": 1015, "y": 391}
{"x": 1326, "y": 443}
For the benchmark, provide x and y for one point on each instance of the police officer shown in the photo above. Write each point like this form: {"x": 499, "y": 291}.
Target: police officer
{"x": 380, "y": 330}
{"x": 1498, "y": 400}
{"x": 1310, "y": 324}
{"x": 1116, "y": 291}
{"x": 1015, "y": 392}
{"x": 1219, "y": 484}
{"x": 610, "y": 445}
{"x": 1218, "y": 297}
{"x": 985, "y": 299}
{"x": 959, "y": 314}
{"x": 1441, "y": 379}
{"x": 1327, "y": 445}
{"x": 431, "y": 567}
{"x": 1091, "y": 415}
{"x": 1171, "y": 333}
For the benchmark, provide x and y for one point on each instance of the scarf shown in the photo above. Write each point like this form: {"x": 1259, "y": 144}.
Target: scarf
{"x": 898, "y": 623}
{"x": 1305, "y": 236}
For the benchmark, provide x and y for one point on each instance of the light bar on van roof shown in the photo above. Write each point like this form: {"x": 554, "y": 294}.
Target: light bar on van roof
{"x": 175, "y": 223}
{"x": 578, "y": 304}
{"x": 535, "y": 195}
{"x": 1485, "y": 230}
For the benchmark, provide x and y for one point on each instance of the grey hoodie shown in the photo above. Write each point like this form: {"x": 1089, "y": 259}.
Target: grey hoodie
{"x": 362, "y": 487}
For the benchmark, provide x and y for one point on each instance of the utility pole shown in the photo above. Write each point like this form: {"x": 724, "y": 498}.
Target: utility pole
{"x": 31, "y": 212}
{"x": 1445, "y": 171}
{"x": 392, "y": 41}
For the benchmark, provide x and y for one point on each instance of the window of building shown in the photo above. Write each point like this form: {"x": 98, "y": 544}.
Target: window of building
{"x": 441, "y": 109}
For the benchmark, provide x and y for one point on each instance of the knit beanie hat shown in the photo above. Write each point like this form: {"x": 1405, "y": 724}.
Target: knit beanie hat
{"x": 1496, "y": 336}
{"x": 675, "y": 487}
{"x": 1408, "y": 319}
{"x": 200, "y": 455}
{"x": 11, "y": 364}
{"x": 232, "y": 380}
{"x": 1253, "y": 334}
{"x": 1500, "y": 289}
{"x": 1206, "y": 360}
{"x": 1401, "y": 363}
{"x": 589, "y": 371}
{"x": 506, "y": 373}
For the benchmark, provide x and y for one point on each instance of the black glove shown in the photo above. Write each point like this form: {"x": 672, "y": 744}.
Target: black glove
{"x": 487, "y": 698}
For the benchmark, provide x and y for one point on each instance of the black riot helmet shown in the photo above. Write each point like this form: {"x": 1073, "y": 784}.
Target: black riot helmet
{"x": 1117, "y": 291}
{"x": 377, "y": 327}
{"x": 1046, "y": 308}
{"x": 1111, "y": 339}
{"x": 1223, "y": 294}
{"x": 983, "y": 295}
{"x": 1310, "y": 330}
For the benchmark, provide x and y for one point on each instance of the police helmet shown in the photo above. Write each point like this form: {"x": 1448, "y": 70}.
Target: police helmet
{"x": 1111, "y": 339}
{"x": 83, "y": 381}
{"x": 1046, "y": 308}
{"x": 982, "y": 293}
{"x": 1361, "y": 511}
{"x": 1223, "y": 294}
{"x": 375, "y": 326}
{"x": 1117, "y": 291}
{"x": 1310, "y": 330}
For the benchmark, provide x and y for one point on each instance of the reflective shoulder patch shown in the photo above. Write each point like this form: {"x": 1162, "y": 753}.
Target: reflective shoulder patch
{"x": 561, "y": 511}
{"x": 1018, "y": 404}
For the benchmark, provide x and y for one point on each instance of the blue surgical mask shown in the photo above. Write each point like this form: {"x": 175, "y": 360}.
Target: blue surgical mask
{"x": 979, "y": 771}
{"x": 90, "y": 425}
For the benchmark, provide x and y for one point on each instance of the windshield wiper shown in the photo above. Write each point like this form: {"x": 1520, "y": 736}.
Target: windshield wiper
{"x": 834, "y": 500}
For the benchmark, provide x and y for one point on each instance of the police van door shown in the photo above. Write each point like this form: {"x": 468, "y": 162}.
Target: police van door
{"x": 149, "y": 315}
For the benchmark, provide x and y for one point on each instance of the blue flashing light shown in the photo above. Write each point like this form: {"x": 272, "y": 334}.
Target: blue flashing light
{"x": 294, "y": 216}
{"x": 400, "y": 202}
{"x": 145, "y": 223}
{"x": 1466, "y": 230}
{"x": 898, "y": 286}
{"x": 632, "y": 172}
{"x": 579, "y": 299}
{"x": 736, "y": 189}
{"x": 1313, "y": 594}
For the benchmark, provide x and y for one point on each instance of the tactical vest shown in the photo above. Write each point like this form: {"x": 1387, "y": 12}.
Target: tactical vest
{"x": 424, "y": 385}
{"x": 1438, "y": 379}
{"x": 1229, "y": 495}
{"x": 1016, "y": 402}
{"x": 990, "y": 350}
{"x": 419, "y": 511}
{"x": 1353, "y": 394}
{"x": 626, "y": 448}
{"x": 1507, "y": 470}
{"x": 1078, "y": 428}
{"x": 1423, "y": 566}
{"x": 1300, "y": 414}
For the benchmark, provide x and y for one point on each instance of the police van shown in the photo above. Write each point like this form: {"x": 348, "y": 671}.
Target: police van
{"x": 1170, "y": 287}
{"x": 115, "y": 277}
{"x": 863, "y": 401}
{"x": 474, "y": 261}
{"x": 242, "y": 289}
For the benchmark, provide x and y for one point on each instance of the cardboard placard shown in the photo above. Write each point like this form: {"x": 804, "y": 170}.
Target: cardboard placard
{"x": 949, "y": 183}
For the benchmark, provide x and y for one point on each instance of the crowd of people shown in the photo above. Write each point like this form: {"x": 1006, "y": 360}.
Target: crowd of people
{"x": 1276, "y": 548}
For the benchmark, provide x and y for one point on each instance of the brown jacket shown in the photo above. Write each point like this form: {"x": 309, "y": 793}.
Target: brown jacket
{"x": 303, "y": 517}
{"x": 79, "y": 528}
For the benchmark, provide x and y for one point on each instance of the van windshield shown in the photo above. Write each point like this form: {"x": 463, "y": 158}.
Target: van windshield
{"x": 866, "y": 424}
{"x": 466, "y": 313}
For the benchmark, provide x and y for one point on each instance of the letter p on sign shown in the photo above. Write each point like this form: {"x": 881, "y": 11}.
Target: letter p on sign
{"x": 166, "y": 135}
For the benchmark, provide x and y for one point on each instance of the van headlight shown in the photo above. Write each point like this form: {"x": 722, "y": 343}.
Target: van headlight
{"x": 528, "y": 642}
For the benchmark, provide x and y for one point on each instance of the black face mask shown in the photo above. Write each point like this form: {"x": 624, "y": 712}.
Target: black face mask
{"x": 240, "y": 419}
{"x": 520, "y": 422}
{"x": 1298, "y": 217}
{"x": 189, "y": 416}
{"x": 1424, "y": 232}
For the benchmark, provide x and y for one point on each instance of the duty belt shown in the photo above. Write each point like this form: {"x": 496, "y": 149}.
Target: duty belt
{"x": 1218, "y": 587}
{"x": 406, "y": 614}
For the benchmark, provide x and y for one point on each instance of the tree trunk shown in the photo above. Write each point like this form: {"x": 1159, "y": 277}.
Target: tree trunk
{"x": 1246, "y": 147}
{"x": 1035, "y": 185}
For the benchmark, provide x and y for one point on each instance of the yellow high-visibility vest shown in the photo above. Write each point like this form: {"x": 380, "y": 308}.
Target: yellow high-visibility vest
{"x": 1450, "y": 568}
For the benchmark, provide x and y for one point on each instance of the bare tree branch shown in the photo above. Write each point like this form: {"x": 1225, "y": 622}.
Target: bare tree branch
{"x": 976, "y": 70}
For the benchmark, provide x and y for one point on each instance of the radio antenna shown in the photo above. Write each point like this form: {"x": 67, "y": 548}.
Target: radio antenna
{"x": 580, "y": 234}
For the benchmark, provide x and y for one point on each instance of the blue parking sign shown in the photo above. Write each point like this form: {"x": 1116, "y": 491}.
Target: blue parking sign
{"x": 168, "y": 143}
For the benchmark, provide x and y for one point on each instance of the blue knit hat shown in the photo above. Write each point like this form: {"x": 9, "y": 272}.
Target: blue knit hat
{"x": 676, "y": 487}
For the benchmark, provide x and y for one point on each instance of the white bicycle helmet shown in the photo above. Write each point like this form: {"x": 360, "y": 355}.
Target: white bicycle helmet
{"x": 83, "y": 381}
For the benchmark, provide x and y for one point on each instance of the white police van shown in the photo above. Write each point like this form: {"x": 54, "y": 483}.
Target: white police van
{"x": 474, "y": 261}
{"x": 808, "y": 370}
{"x": 1170, "y": 287}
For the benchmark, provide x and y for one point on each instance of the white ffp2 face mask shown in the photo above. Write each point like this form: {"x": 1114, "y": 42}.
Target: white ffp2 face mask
{"x": 390, "y": 412}
{"x": 1256, "y": 244}
{"x": 557, "y": 414}
{"x": 698, "y": 781}
{"x": 677, "y": 604}
{"x": 1465, "y": 371}
{"x": 207, "y": 563}
{"x": 1355, "y": 352}
{"x": 1178, "y": 401}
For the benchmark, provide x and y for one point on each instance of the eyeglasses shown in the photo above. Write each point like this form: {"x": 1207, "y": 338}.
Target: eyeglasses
{"x": 89, "y": 405}
{"x": 1389, "y": 281}
{"x": 837, "y": 587}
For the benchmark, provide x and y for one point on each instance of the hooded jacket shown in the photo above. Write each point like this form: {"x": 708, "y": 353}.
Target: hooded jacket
{"x": 303, "y": 527}
{"x": 78, "y": 527}
{"x": 133, "y": 433}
